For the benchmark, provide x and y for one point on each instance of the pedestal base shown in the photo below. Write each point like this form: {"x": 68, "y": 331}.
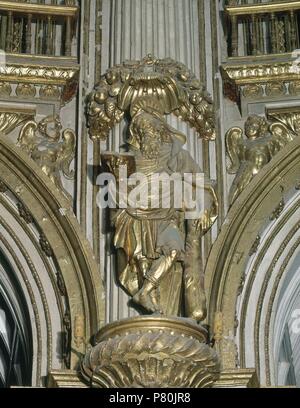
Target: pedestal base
{"x": 65, "y": 379}
{"x": 238, "y": 378}
{"x": 151, "y": 351}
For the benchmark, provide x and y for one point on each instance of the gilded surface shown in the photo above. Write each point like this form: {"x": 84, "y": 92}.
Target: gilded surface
{"x": 69, "y": 250}
{"x": 35, "y": 75}
{"x": 260, "y": 76}
{"x": 264, "y": 141}
{"x": 230, "y": 253}
{"x": 151, "y": 352}
{"x": 171, "y": 82}
{"x": 52, "y": 150}
{"x": 23, "y": 7}
{"x": 159, "y": 251}
{"x": 272, "y": 7}
{"x": 154, "y": 240}
{"x": 9, "y": 120}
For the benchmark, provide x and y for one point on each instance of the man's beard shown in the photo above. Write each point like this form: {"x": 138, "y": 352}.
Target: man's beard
{"x": 151, "y": 150}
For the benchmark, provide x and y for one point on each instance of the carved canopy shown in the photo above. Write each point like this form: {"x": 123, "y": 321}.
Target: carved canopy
{"x": 170, "y": 82}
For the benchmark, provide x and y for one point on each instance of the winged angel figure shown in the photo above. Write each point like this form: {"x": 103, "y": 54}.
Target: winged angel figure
{"x": 249, "y": 156}
{"x": 52, "y": 151}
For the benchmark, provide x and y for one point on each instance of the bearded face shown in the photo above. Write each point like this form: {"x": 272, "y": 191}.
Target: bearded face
{"x": 150, "y": 145}
{"x": 149, "y": 131}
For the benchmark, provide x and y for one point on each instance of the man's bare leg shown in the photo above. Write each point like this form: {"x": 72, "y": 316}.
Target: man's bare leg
{"x": 148, "y": 296}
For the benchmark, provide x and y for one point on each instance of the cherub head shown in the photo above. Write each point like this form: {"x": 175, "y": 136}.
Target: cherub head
{"x": 50, "y": 127}
{"x": 255, "y": 127}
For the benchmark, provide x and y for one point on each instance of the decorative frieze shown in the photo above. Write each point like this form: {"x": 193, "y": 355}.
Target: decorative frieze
{"x": 39, "y": 77}
{"x": 260, "y": 77}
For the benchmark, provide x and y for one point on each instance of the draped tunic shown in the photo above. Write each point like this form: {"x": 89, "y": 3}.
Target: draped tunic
{"x": 152, "y": 232}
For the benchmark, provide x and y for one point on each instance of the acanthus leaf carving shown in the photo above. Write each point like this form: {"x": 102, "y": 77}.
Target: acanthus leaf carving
{"x": 156, "y": 353}
{"x": 11, "y": 119}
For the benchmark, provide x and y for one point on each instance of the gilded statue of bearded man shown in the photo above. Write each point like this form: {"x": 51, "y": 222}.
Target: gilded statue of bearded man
{"x": 159, "y": 251}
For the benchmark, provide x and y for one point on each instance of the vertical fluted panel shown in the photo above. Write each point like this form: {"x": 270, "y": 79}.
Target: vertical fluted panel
{"x": 131, "y": 30}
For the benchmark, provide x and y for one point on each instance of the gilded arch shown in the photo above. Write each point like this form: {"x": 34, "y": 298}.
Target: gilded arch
{"x": 264, "y": 216}
{"x": 63, "y": 264}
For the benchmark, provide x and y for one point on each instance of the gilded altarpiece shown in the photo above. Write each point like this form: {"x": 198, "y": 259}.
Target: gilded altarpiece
{"x": 149, "y": 298}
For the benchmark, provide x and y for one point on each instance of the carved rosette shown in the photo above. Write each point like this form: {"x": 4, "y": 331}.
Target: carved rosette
{"x": 151, "y": 352}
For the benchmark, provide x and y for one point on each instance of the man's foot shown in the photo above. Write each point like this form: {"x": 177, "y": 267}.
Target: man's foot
{"x": 146, "y": 301}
